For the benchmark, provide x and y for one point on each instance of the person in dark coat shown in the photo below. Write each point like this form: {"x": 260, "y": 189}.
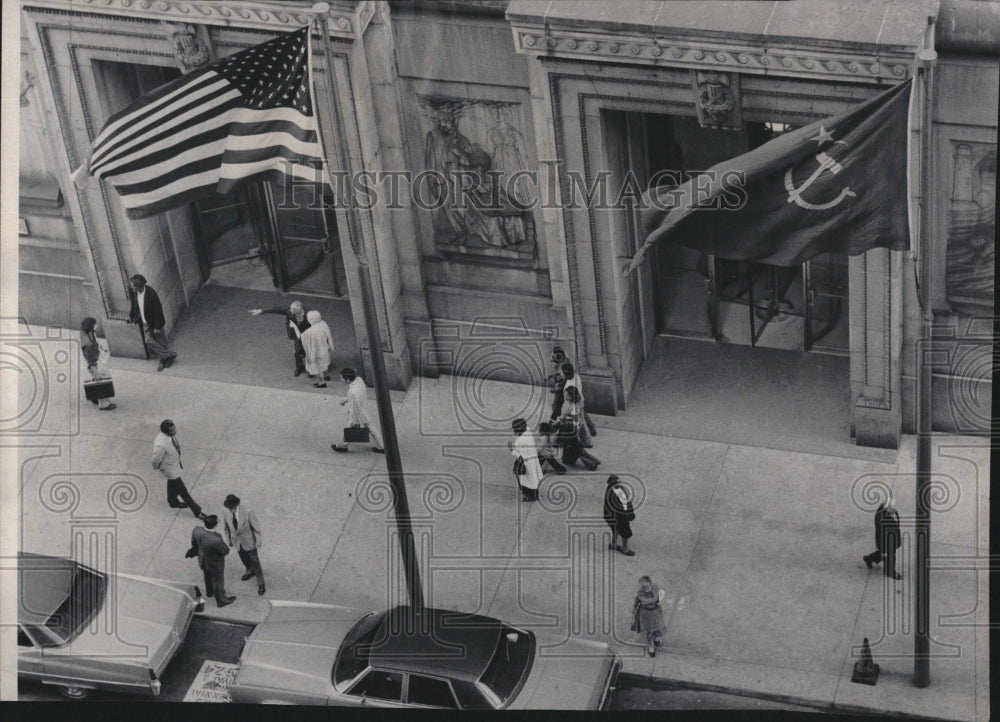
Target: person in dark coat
{"x": 147, "y": 311}
{"x": 296, "y": 324}
{"x": 556, "y": 382}
{"x": 211, "y": 551}
{"x": 618, "y": 512}
{"x": 887, "y": 539}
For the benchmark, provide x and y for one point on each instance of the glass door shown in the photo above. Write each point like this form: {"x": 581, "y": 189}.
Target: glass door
{"x": 308, "y": 251}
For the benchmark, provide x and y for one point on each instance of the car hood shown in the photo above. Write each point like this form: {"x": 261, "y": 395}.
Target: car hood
{"x": 573, "y": 680}
{"x": 140, "y": 622}
{"x": 294, "y": 648}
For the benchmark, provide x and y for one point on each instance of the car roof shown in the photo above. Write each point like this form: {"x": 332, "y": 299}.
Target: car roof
{"x": 43, "y": 584}
{"x": 443, "y": 643}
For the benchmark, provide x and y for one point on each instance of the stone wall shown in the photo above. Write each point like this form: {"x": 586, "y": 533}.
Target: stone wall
{"x": 962, "y": 235}
{"x": 464, "y": 104}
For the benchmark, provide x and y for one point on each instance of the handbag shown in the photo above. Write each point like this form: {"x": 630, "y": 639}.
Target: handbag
{"x": 635, "y": 617}
{"x": 520, "y": 468}
{"x": 98, "y": 389}
{"x": 356, "y": 433}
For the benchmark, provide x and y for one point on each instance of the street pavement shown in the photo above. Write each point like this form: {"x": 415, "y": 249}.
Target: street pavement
{"x": 759, "y": 549}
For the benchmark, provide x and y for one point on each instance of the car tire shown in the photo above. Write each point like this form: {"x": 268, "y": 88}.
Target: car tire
{"x": 74, "y": 693}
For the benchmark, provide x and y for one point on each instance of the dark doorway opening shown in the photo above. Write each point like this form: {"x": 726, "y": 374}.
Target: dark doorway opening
{"x": 258, "y": 237}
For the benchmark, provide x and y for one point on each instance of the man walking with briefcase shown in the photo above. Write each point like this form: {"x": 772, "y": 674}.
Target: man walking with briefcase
{"x": 358, "y": 426}
{"x": 99, "y": 390}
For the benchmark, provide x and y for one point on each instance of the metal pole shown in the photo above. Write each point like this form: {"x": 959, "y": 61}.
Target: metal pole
{"x": 393, "y": 463}
{"x": 921, "y": 642}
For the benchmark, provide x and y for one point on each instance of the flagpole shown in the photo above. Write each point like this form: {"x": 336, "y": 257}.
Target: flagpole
{"x": 926, "y": 59}
{"x": 394, "y": 465}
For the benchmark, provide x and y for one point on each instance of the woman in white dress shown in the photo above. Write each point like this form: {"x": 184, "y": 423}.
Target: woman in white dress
{"x": 317, "y": 341}
{"x": 527, "y": 470}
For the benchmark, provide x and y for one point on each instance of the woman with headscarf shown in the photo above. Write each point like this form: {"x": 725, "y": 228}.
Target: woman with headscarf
{"x": 96, "y": 365}
{"x": 317, "y": 341}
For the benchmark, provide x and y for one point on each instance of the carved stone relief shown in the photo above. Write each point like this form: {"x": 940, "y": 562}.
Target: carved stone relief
{"x": 192, "y": 46}
{"x": 717, "y": 99}
{"x": 479, "y": 204}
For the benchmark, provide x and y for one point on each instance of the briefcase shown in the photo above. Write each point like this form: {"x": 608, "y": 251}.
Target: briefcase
{"x": 99, "y": 389}
{"x": 356, "y": 433}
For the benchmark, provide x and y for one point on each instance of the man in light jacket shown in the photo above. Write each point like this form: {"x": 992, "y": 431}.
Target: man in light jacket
{"x": 167, "y": 461}
{"x": 356, "y": 401}
{"x": 243, "y": 532}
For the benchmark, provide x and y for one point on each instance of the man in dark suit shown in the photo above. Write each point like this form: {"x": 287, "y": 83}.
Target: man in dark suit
{"x": 887, "y": 539}
{"x": 211, "y": 551}
{"x": 147, "y": 311}
{"x": 296, "y": 324}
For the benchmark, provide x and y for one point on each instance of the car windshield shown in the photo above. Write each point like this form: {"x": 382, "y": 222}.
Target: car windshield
{"x": 81, "y": 605}
{"x": 509, "y": 666}
{"x": 353, "y": 658}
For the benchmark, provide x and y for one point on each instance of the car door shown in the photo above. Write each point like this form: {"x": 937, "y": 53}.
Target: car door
{"x": 29, "y": 655}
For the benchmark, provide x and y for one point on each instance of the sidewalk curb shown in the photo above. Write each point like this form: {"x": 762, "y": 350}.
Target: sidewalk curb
{"x": 632, "y": 680}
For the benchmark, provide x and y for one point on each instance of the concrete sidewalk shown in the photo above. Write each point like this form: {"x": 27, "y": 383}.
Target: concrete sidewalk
{"x": 759, "y": 549}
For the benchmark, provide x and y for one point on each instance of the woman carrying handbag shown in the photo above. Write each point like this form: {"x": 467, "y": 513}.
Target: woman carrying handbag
{"x": 99, "y": 390}
{"x": 527, "y": 470}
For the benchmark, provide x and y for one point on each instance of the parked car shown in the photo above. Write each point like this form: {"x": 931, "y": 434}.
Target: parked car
{"x": 80, "y": 629}
{"x": 318, "y": 654}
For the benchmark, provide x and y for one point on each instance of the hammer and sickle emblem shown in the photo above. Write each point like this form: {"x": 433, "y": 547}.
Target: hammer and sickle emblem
{"x": 795, "y": 194}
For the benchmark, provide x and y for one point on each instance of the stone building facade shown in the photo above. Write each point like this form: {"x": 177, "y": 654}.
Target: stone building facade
{"x": 552, "y": 99}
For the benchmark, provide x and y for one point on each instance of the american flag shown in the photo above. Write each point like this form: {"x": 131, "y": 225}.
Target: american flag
{"x": 249, "y": 116}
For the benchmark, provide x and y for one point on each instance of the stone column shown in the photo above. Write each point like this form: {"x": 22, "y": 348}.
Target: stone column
{"x": 875, "y": 340}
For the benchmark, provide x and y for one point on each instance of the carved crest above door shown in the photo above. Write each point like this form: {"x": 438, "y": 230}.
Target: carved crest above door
{"x": 717, "y": 99}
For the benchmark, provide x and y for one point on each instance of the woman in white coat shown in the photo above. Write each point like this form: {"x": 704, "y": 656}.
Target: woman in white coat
{"x": 527, "y": 470}
{"x": 317, "y": 341}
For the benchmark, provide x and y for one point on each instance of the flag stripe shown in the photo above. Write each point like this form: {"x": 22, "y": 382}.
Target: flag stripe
{"x": 182, "y": 125}
{"x": 154, "y": 117}
{"x": 158, "y": 98}
{"x": 143, "y": 164}
{"x": 222, "y": 153}
{"x": 234, "y": 121}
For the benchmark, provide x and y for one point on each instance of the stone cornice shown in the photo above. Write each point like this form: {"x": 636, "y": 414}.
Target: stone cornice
{"x": 346, "y": 20}
{"x": 711, "y": 54}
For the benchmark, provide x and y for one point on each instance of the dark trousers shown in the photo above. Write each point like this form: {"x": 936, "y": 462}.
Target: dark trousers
{"x": 573, "y": 450}
{"x": 300, "y": 356}
{"x": 889, "y": 556}
{"x": 176, "y": 488}
{"x": 156, "y": 342}
{"x": 528, "y": 494}
{"x": 553, "y": 463}
{"x": 557, "y": 403}
{"x": 215, "y": 584}
{"x": 251, "y": 560}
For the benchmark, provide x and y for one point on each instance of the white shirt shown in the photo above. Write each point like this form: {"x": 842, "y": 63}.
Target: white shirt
{"x": 524, "y": 446}
{"x": 575, "y": 383}
{"x": 140, "y": 296}
{"x": 357, "y": 396}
